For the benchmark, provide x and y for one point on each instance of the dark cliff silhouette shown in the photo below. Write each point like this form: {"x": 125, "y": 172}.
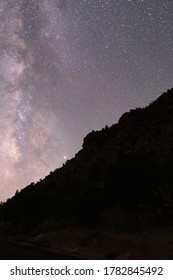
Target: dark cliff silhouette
{"x": 127, "y": 166}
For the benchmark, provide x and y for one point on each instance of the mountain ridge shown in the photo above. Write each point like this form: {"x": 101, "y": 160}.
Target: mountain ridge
{"x": 142, "y": 139}
{"x": 113, "y": 200}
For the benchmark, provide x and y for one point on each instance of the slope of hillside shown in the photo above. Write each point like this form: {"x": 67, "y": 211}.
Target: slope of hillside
{"x": 123, "y": 170}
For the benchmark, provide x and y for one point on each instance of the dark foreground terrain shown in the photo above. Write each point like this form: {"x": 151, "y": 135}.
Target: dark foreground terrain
{"x": 15, "y": 251}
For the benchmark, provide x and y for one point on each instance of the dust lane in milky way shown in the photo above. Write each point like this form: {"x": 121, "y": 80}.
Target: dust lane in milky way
{"x": 70, "y": 66}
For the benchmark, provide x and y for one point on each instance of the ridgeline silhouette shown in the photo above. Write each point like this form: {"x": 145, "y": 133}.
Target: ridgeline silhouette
{"x": 128, "y": 166}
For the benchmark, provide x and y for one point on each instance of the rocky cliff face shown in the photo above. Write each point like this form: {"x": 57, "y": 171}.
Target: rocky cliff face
{"x": 128, "y": 164}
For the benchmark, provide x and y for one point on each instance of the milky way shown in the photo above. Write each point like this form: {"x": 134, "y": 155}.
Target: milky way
{"x": 71, "y": 66}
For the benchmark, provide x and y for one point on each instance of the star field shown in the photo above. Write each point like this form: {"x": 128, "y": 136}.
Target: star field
{"x": 68, "y": 67}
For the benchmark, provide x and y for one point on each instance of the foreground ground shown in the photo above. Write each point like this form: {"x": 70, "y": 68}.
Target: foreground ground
{"x": 128, "y": 238}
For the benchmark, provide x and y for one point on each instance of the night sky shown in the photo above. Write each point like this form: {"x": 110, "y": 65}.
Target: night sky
{"x": 68, "y": 67}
